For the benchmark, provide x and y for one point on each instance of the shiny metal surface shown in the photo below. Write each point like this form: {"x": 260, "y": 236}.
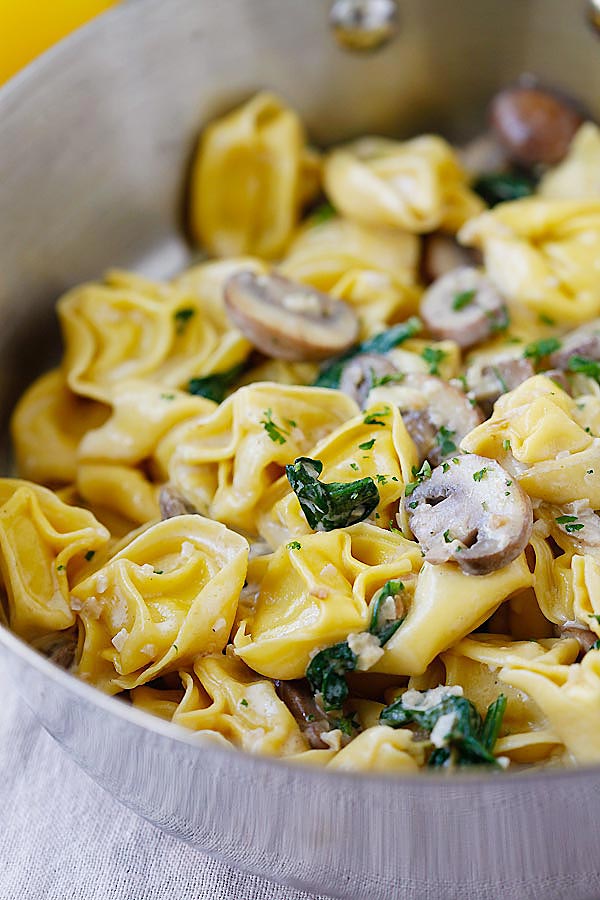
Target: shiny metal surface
{"x": 95, "y": 140}
{"x": 364, "y": 24}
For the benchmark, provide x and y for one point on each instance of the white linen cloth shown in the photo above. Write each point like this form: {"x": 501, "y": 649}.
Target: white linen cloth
{"x": 64, "y": 838}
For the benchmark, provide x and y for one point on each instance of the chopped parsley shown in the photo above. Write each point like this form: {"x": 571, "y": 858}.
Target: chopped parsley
{"x": 294, "y": 545}
{"x": 60, "y": 568}
{"x": 330, "y": 506}
{"x": 354, "y": 466}
{"x": 214, "y": 387}
{"x": 368, "y": 445}
{"x": 479, "y": 476}
{"x": 330, "y": 374}
{"x": 445, "y": 467}
{"x": 277, "y": 433}
{"x": 420, "y": 475}
{"x": 448, "y": 537}
{"x": 371, "y": 418}
{"x": 537, "y": 350}
{"x": 182, "y": 317}
{"x": 243, "y": 702}
{"x": 159, "y": 572}
{"x": 392, "y": 378}
{"x": 444, "y": 441}
{"x": 463, "y": 299}
{"x": 570, "y": 522}
{"x": 90, "y": 555}
{"x": 433, "y": 356}
{"x": 381, "y": 479}
{"x": 589, "y": 367}
{"x": 506, "y": 444}
{"x": 546, "y": 320}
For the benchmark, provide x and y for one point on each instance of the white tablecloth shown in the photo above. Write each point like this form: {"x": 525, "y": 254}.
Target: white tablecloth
{"x": 63, "y": 838}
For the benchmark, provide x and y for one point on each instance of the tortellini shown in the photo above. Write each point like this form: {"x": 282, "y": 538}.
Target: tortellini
{"x": 163, "y": 600}
{"x": 417, "y": 185}
{"x": 275, "y": 565}
{"x": 543, "y": 254}
{"x": 251, "y": 175}
{"x": 43, "y": 542}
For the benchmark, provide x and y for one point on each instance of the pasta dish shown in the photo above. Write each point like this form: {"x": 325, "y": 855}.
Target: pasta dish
{"x": 331, "y": 493}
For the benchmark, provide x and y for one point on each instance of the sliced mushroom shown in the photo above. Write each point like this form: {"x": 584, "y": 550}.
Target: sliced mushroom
{"x": 288, "y": 320}
{"x": 584, "y": 341}
{"x": 361, "y": 372}
{"x": 584, "y": 637}
{"x": 471, "y": 511}
{"x": 172, "y": 503}
{"x": 463, "y": 306}
{"x": 442, "y": 254}
{"x": 436, "y": 415}
{"x": 534, "y": 125}
{"x": 310, "y": 717}
{"x": 488, "y": 380}
{"x": 579, "y": 521}
{"x": 559, "y": 378}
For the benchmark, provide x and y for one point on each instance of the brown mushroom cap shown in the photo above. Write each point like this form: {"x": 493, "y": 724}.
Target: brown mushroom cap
{"x": 427, "y": 404}
{"x": 584, "y": 637}
{"x": 471, "y": 511}
{"x": 450, "y": 314}
{"x": 534, "y": 125}
{"x": 288, "y": 320}
{"x": 359, "y": 373}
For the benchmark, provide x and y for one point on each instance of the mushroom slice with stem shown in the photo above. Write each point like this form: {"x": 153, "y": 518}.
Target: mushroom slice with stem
{"x": 535, "y": 126}
{"x": 436, "y": 415}
{"x": 463, "y": 306}
{"x": 584, "y": 637}
{"x": 299, "y": 699}
{"x": 288, "y": 320}
{"x": 470, "y": 511}
{"x": 364, "y": 372}
{"x": 172, "y": 503}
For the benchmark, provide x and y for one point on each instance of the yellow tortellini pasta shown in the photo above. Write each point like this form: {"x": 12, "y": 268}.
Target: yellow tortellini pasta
{"x": 251, "y": 175}
{"x": 359, "y": 576}
{"x": 42, "y": 543}
{"x": 417, "y": 185}
{"x": 164, "y": 599}
{"x": 225, "y": 463}
{"x": 544, "y": 254}
{"x": 578, "y": 176}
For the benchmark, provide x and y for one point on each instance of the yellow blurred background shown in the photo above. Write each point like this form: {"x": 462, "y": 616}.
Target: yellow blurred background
{"x": 28, "y": 27}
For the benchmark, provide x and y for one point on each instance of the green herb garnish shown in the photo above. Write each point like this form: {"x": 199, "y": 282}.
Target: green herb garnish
{"x": 589, "y": 367}
{"x": 372, "y": 418}
{"x": 506, "y": 444}
{"x": 330, "y": 375}
{"x": 243, "y": 702}
{"x": 479, "y": 476}
{"x": 322, "y": 213}
{"x": 330, "y": 506}
{"x": 537, "y": 350}
{"x": 368, "y": 445}
{"x": 444, "y": 441}
{"x": 384, "y": 630}
{"x": 214, "y": 387}
{"x": 420, "y": 475}
{"x": 433, "y": 356}
{"x": 277, "y": 433}
{"x": 463, "y": 299}
{"x": 90, "y": 555}
{"x": 182, "y": 317}
{"x": 294, "y": 545}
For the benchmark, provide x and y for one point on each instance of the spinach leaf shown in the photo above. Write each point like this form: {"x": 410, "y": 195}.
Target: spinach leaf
{"x": 499, "y": 187}
{"x": 384, "y": 630}
{"x": 329, "y": 376}
{"x": 326, "y": 674}
{"x": 330, "y": 506}
{"x": 589, "y": 367}
{"x": 469, "y": 741}
{"x": 214, "y": 387}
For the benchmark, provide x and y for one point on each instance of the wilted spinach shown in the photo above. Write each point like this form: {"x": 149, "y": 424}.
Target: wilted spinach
{"x": 384, "y": 630}
{"x": 500, "y": 187}
{"x": 326, "y": 674}
{"x": 214, "y": 387}
{"x": 330, "y": 506}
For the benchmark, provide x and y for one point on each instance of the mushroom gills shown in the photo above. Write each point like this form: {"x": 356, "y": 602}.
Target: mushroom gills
{"x": 288, "y": 320}
{"x": 470, "y": 511}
